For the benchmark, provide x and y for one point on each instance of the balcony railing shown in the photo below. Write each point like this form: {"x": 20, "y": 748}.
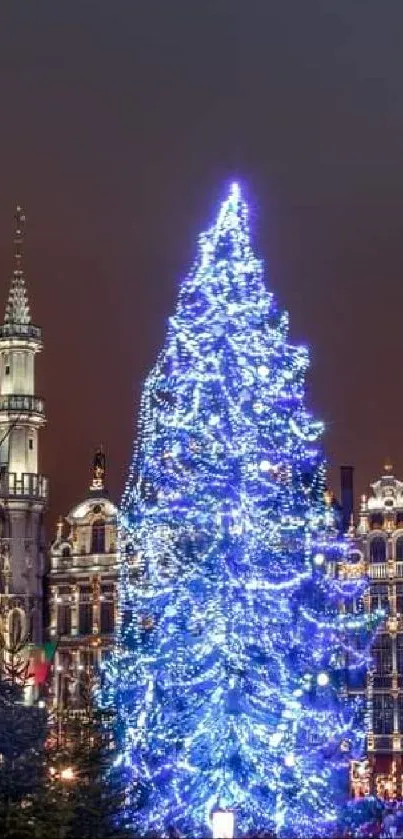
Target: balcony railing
{"x": 21, "y": 330}
{"x": 86, "y": 562}
{"x": 26, "y": 485}
{"x": 22, "y": 404}
{"x": 378, "y": 570}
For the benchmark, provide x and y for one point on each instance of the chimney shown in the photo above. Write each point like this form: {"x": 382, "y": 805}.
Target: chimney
{"x": 347, "y": 495}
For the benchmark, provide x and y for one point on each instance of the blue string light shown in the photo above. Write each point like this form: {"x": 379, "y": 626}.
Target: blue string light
{"x": 232, "y": 646}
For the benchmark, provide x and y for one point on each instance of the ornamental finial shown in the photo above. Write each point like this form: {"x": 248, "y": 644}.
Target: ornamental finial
{"x": 98, "y": 471}
{"x": 19, "y": 219}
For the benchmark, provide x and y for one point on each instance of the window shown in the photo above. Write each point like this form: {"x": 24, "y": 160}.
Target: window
{"x": 400, "y": 713}
{"x": 380, "y": 597}
{"x": 7, "y": 369}
{"x": 356, "y": 606}
{"x": 382, "y": 654}
{"x": 85, "y": 618}
{"x": 107, "y": 617}
{"x": 383, "y": 714}
{"x": 378, "y": 550}
{"x": 63, "y": 619}
{"x": 30, "y": 444}
{"x": 35, "y": 626}
{"x": 98, "y": 537}
{"x": 399, "y": 598}
{"x": 16, "y": 627}
{"x": 399, "y": 548}
{"x": 376, "y": 521}
{"x": 88, "y": 659}
{"x": 66, "y": 551}
{"x": 399, "y": 653}
{"x": 85, "y": 611}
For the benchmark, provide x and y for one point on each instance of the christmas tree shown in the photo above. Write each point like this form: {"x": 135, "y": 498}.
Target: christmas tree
{"x": 232, "y": 645}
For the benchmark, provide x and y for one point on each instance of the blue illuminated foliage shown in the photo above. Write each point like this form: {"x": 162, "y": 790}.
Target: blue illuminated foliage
{"x": 232, "y": 646}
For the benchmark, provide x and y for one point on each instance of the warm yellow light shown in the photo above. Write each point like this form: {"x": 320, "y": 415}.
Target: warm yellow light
{"x": 223, "y": 824}
{"x": 67, "y": 774}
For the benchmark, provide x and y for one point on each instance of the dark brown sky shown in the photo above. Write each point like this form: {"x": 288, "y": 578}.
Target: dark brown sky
{"x": 120, "y": 124}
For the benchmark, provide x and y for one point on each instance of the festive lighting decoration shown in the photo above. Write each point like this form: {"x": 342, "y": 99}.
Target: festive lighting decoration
{"x": 67, "y": 774}
{"x": 223, "y": 824}
{"x": 228, "y": 626}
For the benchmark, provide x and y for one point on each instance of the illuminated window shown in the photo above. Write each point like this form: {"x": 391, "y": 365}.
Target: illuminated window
{"x": 98, "y": 537}
{"x": 380, "y": 597}
{"x": 378, "y": 549}
{"x": 382, "y": 714}
{"x": 382, "y": 655}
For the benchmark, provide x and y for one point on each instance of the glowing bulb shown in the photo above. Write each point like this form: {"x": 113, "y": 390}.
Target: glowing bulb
{"x": 67, "y": 774}
{"x": 323, "y": 680}
{"x": 223, "y": 824}
{"x": 289, "y": 759}
{"x": 263, "y": 371}
{"x": 319, "y": 559}
{"x": 265, "y": 466}
{"x": 276, "y": 739}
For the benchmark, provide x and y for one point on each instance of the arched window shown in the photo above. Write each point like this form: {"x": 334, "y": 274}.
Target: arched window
{"x": 399, "y": 548}
{"x": 66, "y": 551}
{"x": 98, "y": 537}
{"x": 378, "y": 549}
{"x": 16, "y": 627}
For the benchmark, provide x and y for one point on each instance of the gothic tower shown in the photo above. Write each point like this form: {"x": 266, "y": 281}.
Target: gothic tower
{"x": 23, "y": 490}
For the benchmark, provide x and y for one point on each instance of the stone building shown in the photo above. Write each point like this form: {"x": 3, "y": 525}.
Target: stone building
{"x": 82, "y": 589}
{"x": 376, "y": 545}
{"x": 23, "y": 489}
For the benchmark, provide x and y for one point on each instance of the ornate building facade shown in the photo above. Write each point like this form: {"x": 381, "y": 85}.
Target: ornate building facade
{"x": 82, "y": 590}
{"x": 376, "y": 543}
{"x": 23, "y": 489}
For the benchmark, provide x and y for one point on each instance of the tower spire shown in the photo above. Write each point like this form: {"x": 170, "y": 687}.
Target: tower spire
{"x": 17, "y": 308}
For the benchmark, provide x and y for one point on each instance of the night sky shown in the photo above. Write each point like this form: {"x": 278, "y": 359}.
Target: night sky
{"x": 121, "y": 123}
